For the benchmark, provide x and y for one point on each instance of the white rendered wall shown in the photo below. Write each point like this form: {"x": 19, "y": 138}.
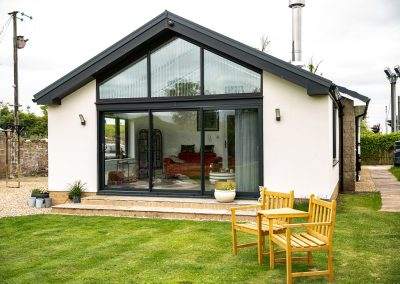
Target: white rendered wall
{"x": 297, "y": 149}
{"x": 72, "y": 146}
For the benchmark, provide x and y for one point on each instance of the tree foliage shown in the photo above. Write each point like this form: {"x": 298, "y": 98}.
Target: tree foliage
{"x": 33, "y": 126}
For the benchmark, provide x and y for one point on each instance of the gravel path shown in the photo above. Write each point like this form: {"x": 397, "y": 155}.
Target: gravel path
{"x": 365, "y": 184}
{"x": 13, "y": 201}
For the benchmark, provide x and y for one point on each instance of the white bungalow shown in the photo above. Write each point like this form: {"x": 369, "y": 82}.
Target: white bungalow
{"x": 173, "y": 107}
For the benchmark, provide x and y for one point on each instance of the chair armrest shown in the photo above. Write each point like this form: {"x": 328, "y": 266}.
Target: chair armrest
{"x": 245, "y": 207}
{"x": 298, "y": 225}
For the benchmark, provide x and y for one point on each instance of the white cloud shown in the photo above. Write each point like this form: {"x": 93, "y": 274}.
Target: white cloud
{"x": 355, "y": 39}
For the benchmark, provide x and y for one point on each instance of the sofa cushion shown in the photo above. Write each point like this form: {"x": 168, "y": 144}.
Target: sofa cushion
{"x": 208, "y": 148}
{"x": 187, "y": 148}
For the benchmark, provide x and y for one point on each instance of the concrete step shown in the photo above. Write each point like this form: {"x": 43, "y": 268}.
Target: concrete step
{"x": 186, "y": 213}
{"x": 168, "y": 202}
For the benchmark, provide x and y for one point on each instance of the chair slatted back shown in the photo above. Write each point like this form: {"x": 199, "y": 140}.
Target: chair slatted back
{"x": 322, "y": 211}
{"x": 273, "y": 200}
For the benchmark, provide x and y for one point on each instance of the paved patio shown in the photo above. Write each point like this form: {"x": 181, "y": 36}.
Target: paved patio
{"x": 388, "y": 186}
{"x": 13, "y": 201}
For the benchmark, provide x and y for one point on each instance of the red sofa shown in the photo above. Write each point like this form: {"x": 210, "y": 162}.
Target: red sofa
{"x": 191, "y": 166}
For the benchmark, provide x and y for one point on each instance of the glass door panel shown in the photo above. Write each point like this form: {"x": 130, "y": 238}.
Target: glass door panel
{"x": 177, "y": 161}
{"x": 235, "y": 144}
{"x": 126, "y": 164}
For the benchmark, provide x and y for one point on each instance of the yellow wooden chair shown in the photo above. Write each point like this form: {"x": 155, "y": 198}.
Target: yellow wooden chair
{"x": 317, "y": 237}
{"x": 268, "y": 200}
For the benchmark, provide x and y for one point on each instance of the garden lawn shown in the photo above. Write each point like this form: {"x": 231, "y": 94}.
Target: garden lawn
{"x": 54, "y": 248}
{"x": 396, "y": 172}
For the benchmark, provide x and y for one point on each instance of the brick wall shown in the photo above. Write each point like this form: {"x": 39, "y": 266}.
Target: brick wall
{"x": 33, "y": 157}
{"x": 349, "y": 140}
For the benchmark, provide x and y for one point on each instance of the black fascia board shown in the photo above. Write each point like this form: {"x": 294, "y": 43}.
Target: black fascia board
{"x": 315, "y": 85}
{"x": 353, "y": 94}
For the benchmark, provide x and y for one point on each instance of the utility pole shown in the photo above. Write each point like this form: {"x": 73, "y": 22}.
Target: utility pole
{"x": 15, "y": 57}
{"x": 392, "y": 77}
{"x": 14, "y": 137}
{"x": 386, "y": 120}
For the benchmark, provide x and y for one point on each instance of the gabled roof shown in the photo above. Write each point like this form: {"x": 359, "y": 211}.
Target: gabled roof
{"x": 167, "y": 21}
{"x": 315, "y": 85}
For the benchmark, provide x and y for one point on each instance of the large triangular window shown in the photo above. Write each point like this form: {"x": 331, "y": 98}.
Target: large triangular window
{"x": 131, "y": 82}
{"x": 222, "y": 76}
{"x": 175, "y": 70}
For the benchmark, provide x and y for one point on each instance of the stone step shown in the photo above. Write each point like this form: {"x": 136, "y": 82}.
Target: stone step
{"x": 200, "y": 214}
{"x": 142, "y": 201}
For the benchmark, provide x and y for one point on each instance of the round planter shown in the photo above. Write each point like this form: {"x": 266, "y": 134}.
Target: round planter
{"x": 47, "y": 202}
{"x": 31, "y": 201}
{"x": 224, "y": 195}
{"x": 76, "y": 199}
{"x": 39, "y": 202}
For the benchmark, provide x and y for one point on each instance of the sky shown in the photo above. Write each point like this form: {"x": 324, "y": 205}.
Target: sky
{"x": 354, "y": 40}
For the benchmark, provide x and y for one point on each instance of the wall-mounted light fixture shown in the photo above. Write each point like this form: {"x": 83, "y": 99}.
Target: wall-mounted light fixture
{"x": 83, "y": 121}
{"x": 278, "y": 114}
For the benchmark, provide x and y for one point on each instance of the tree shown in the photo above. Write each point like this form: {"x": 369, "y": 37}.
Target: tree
{"x": 376, "y": 128}
{"x": 312, "y": 67}
{"x": 33, "y": 126}
{"x": 265, "y": 43}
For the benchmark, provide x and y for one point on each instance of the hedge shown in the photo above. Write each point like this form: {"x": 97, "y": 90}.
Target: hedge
{"x": 377, "y": 149}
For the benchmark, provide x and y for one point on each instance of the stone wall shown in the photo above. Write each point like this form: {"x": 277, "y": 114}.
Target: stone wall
{"x": 349, "y": 142}
{"x": 33, "y": 157}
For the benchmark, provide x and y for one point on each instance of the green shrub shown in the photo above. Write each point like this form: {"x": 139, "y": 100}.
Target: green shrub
{"x": 378, "y": 148}
{"x": 76, "y": 189}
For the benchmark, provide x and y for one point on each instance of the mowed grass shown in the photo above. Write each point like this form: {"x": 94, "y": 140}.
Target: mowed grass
{"x": 396, "y": 172}
{"x": 53, "y": 248}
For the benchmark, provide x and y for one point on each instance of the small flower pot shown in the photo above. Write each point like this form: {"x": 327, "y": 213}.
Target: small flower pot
{"x": 76, "y": 199}
{"x": 39, "y": 202}
{"x": 31, "y": 201}
{"x": 47, "y": 202}
{"x": 224, "y": 196}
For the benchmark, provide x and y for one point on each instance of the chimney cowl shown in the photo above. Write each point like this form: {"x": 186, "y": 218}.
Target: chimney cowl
{"x": 293, "y": 3}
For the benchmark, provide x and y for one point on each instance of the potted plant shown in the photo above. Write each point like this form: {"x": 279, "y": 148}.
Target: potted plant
{"x": 46, "y": 196}
{"x": 76, "y": 190}
{"x": 39, "y": 199}
{"x": 32, "y": 199}
{"x": 225, "y": 191}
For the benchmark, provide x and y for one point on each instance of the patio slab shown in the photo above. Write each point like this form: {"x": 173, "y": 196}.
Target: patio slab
{"x": 388, "y": 186}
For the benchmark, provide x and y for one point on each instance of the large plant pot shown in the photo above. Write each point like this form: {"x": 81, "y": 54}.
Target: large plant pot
{"x": 76, "y": 199}
{"x": 31, "y": 201}
{"x": 39, "y": 202}
{"x": 47, "y": 202}
{"x": 224, "y": 195}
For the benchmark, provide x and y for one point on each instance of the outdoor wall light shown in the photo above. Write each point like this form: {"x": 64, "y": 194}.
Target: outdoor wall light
{"x": 278, "y": 114}
{"x": 83, "y": 121}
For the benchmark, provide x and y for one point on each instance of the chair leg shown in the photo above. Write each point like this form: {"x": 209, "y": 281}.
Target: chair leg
{"x": 234, "y": 241}
{"x": 330, "y": 265}
{"x": 271, "y": 254}
{"x": 309, "y": 258}
{"x": 289, "y": 279}
{"x": 260, "y": 249}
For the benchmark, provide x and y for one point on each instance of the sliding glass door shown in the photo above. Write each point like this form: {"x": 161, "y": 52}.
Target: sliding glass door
{"x": 185, "y": 151}
{"x": 125, "y": 154}
{"x": 236, "y": 143}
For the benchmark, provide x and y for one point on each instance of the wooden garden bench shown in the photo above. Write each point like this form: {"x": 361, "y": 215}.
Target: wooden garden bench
{"x": 317, "y": 237}
{"x": 268, "y": 200}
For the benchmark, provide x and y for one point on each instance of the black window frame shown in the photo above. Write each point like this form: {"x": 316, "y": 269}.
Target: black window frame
{"x": 149, "y": 104}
